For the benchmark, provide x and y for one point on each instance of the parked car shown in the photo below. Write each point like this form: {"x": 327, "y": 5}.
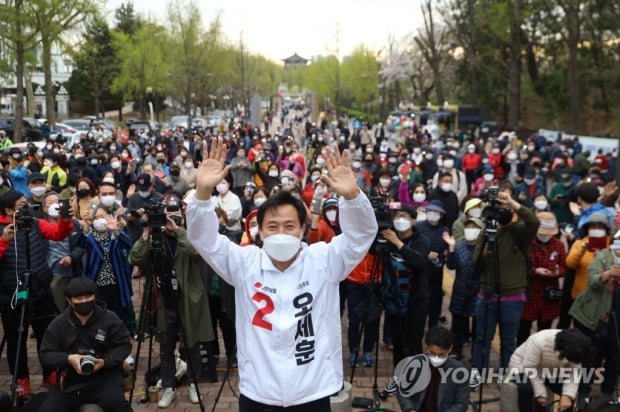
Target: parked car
{"x": 31, "y": 132}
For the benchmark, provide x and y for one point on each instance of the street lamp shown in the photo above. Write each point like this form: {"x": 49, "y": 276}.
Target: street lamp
{"x": 149, "y": 93}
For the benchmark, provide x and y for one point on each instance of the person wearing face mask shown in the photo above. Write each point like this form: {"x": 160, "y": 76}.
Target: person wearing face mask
{"x": 406, "y": 307}
{"x": 229, "y": 203}
{"x": 324, "y": 224}
{"x": 525, "y": 386}
{"x": 548, "y": 264}
{"x": 472, "y": 208}
{"x": 122, "y": 172}
{"x": 466, "y": 284}
{"x": 587, "y": 195}
{"x": 107, "y": 247}
{"x": 64, "y": 256}
{"x": 601, "y": 300}
{"x": 487, "y": 180}
{"x": 12, "y": 262}
{"x": 37, "y": 188}
{"x": 55, "y": 176}
{"x": 445, "y": 194}
{"x": 541, "y": 203}
{"x": 183, "y": 303}
{"x": 241, "y": 171}
{"x": 559, "y": 198}
{"x": 434, "y": 228}
{"x": 459, "y": 180}
{"x": 85, "y": 196}
{"x": 472, "y": 161}
{"x": 144, "y": 196}
{"x": 298, "y": 283}
{"x": 385, "y": 185}
{"x": 266, "y": 172}
{"x": 18, "y": 174}
{"x": 447, "y": 389}
{"x": 86, "y": 324}
{"x": 530, "y": 186}
{"x": 503, "y": 290}
{"x": 177, "y": 181}
{"x": 583, "y": 250}
{"x": 312, "y": 180}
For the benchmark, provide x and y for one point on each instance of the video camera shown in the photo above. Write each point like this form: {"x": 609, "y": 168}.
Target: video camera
{"x": 156, "y": 220}
{"x": 493, "y": 214}
{"x": 24, "y": 216}
{"x": 383, "y": 217}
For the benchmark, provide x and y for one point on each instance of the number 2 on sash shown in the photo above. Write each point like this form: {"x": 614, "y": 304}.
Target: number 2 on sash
{"x": 262, "y": 312}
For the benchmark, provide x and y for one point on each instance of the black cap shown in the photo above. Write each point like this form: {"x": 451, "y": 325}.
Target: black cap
{"x": 144, "y": 181}
{"x": 36, "y": 176}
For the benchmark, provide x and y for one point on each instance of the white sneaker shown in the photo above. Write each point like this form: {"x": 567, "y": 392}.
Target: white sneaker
{"x": 192, "y": 393}
{"x": 168, "y": 396}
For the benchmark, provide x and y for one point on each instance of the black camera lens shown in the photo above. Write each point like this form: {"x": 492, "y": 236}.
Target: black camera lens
{"x": 87, "y": 364}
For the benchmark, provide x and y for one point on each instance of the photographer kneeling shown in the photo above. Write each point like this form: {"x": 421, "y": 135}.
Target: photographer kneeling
{"x": 549, "y": 358}
{"x": 88, "y": 344}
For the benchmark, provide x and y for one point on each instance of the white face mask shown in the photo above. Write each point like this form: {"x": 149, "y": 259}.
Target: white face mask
{"x": 421, "y": 217}
{"x": 597, "y": 233}
{"x": 384, "y": 182}
{"x": 543, "y": 238}
{"x": 144, "y": 193}
{"x": 529, "y": 181}
{"x": 356, "y": 165}
{"x": 281, "y": 247}
{"x": 471, "y": 233}
{"x": 108, "y": 201}
{"x": 320, "y": 161}
{"x": 259, "y": 201}
{"x": 115, "y": 164}
{"x": 433, "y": 217}
{"x": 314, "y": 178}
{"x": 475, "y": 212}
{"x": 48, "y": 163}
{"x": 331, "y": 215}
{"x": 253, "y": 231}
{"x": 512, "y": 156}
{"x": 428, "y": 156}
{"x": 273, "y": 173}
{"x": 417, "y": 150}
{"x": 446, "y": 187}
{"x": 100, "y": 225}
{"x": 488, "y": 177}
{"x": 188, "y": 165}
{"x": 369, "y": 150}
{"x": 402, "y": 224}
{"x": 440, "y": 162}
{"x": 419, "y": 197}
{"x": 496, "y": 151}
{"x": 124, "y": 155}
{"x": 54, "y": 210}
{"x": 541, "y": 204}
{"x": 437, "y": 361}
{"x": 38, "y": 190}
{"x": 471, "y": 149}
{"x": 222, "y": 188}
{"x": 449, "y": 164}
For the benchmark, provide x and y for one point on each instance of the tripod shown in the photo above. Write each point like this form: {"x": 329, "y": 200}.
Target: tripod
{"x": 22, "y": 300}
{"x": 490, "y": 242}
{"x": 369, "y": 310}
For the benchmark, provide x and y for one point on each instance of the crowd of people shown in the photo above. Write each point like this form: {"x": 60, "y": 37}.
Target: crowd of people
{"x": 518, "y": 220}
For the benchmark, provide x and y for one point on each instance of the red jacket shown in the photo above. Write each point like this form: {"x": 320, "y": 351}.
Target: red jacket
{"x": 51, "y": 231}
{"x": 471, "y": 161}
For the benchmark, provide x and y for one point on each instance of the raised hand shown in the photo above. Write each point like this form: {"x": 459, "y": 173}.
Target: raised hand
{"x": 341, "y": 179}
{"x": 212, "y": 169}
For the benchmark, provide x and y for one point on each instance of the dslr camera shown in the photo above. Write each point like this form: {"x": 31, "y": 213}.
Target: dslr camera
{"x": 25, "y": 215}
{"x": 87, "y": 364}
{"x": 383, "y": 217}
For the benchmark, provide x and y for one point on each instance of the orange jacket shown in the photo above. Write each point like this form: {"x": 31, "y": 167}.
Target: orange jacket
{"x": 324, "y": 233}
{"x": 363, "y": 272}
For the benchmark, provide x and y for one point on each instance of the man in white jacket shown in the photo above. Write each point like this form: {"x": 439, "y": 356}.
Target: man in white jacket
{"x": 287, "y": 306}
{"x": 550, "y": 358}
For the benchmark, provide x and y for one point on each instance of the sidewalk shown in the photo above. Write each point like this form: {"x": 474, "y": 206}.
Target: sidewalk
{"x": 362, "y": 382}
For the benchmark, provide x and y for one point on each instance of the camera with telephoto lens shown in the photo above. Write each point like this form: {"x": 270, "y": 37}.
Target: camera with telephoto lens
{"x": 493, "y": 214}
{"x": 384, "y": 221}
{"x": 87, "y": 364}
{"x": 24, "y": 216}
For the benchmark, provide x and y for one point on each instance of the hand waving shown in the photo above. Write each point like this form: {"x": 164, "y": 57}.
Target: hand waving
{"x": 341, "y": 179}
{"x": 212, "y": 170}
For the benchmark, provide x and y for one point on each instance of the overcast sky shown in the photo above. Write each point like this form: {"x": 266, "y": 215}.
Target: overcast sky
{"x": 279, "y": 28}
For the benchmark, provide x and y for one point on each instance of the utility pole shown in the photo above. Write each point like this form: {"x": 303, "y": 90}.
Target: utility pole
{"x": 337, "y": 74}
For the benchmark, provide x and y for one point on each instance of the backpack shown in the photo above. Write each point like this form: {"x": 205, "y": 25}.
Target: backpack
{"x": 395, "y": 288}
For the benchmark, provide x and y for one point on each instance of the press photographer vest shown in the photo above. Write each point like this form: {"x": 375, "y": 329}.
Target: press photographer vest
{"x": 42, "y": 274}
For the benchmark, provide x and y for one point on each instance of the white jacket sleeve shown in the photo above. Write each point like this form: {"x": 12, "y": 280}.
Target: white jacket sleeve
{"x": 222, "y": 254}
{"x": 359, "y": 229}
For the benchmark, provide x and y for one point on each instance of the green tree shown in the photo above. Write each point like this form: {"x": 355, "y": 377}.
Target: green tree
{"x": 127, "y": 21}
{"x": 52, "y": 19}
{"x": 142, "y": 63}
{"x": 96, "y": 65}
